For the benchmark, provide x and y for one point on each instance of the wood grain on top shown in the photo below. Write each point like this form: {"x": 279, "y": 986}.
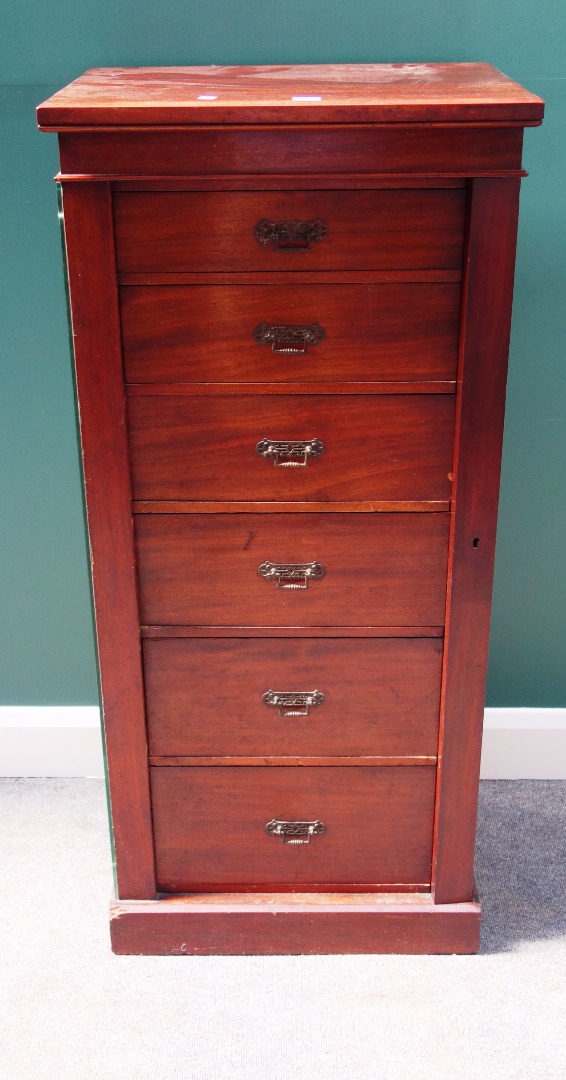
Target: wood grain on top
{"x": 383, "y": 93}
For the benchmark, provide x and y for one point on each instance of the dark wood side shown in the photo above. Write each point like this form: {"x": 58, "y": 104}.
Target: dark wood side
{"x": 204, "y": 231}
{"x": 487, "y": 316}
{"x": 271, "y": 924}
{"x": 374, "y": 448}
{"x": 209, "y": 826}
{"x": 204, "y": 333}
{"x": 425, "y": 149}
{"x": 381, "y": 697}
{"x": 96, "y": 333}
{"x": 381, "y": 568}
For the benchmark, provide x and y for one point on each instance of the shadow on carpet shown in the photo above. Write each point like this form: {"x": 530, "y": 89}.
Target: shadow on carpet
{"x": 521, "y": 862}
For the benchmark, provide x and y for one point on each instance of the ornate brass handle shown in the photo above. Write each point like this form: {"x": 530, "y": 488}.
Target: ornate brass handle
{"x": 291, "y": 575}
{"x": 293, "y": 702}
{"x": 290, "y": 453}
{"x": 290, "y": 235}
{"x": 295, "y": 832}
{"x": 289, "y": 339}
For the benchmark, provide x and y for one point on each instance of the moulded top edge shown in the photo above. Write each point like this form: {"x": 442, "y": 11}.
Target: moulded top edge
{"x": 326, "y": 93}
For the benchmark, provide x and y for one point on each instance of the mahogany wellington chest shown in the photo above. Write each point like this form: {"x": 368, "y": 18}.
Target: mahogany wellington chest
{"x": 290, "y": 295}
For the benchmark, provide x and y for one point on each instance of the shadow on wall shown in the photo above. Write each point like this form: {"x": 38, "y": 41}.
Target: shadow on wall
{"x": 521, "y": 862}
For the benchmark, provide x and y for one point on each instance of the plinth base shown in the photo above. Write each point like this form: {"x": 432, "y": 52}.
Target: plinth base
{"x": 239, "y": 924}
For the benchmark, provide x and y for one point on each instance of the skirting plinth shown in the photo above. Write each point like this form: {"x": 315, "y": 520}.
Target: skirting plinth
{"x": 293, "y": 923}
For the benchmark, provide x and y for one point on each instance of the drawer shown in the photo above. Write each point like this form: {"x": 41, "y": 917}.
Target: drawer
{"x": 339, "y": 447}
{"x": 332, "y": 230}
{"x": 209, "y": 826}
{"x": 211, "y": 696}
{"x": 377, "y": 569}
{"x": 210, "y": 333}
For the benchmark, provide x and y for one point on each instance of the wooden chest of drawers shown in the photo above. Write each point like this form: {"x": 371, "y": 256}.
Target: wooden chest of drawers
{"x": 290, "y": 297}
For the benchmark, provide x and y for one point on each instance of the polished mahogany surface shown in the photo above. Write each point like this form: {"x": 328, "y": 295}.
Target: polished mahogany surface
{"x": 291, "y": 295}
{"x": 210, "y": 827}
{"x": 379, "y": 569}
{"x": 372, "y": 332}
{"x": 359, "y": 230}
{"x": 381, "y": 447}
{"x": 377, "y": 93}
{"x": 206, "y": 697}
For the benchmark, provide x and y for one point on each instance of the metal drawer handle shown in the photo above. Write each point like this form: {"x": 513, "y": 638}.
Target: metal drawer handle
{"x": 293, "y": 702}
{"x": 291, "y": 575}
{"x": 290, "y": 453}
{"x": 289, "y": 339}
{"x": 290, "y": 235}
{"x": 295, "y": 832}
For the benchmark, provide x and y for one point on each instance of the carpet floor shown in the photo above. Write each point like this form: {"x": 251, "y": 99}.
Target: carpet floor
{"x": 70, "y": 1009}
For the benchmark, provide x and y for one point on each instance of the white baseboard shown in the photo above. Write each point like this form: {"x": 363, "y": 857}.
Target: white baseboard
{"x": 524, "y": 744}
{"x": 53, "y": 740}
{"x": 50, "y": 740}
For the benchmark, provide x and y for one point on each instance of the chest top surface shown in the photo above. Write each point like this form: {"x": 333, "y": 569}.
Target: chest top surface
{"x": 353, "y": 93}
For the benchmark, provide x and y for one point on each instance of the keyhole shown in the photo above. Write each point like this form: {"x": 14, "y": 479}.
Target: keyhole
{"x": 476, "y": 541}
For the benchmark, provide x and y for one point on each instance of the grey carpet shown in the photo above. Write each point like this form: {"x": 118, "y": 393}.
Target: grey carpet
{"x": 70, "y": 1009}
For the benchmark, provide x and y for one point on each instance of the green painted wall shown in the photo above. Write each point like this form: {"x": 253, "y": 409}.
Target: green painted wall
{"x": 46, "y": 647}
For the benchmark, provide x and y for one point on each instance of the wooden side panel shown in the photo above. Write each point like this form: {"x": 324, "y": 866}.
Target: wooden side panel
{"x": 203, "y": 231}
{"x": 206, "y": 696}
{"x": 382, "y": 569}
{"x": 210, "y": 826}
{"x": 95, "y": 321}
{"x": 487, "y": 315}
{"x": 374, "y": 448}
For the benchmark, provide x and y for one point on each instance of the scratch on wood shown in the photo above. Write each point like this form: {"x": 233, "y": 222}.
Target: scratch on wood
{"x": 248, "y": 541}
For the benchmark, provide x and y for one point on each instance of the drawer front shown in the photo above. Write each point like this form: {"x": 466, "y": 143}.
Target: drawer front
{"x": 209, "y": 826}
{"x": 222, "y": 447}
{"x": 379, "y": 570}
{"x": 205, "y": 333}
{"x": 359, "y": 230}
{"x": 211, "y": 697}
